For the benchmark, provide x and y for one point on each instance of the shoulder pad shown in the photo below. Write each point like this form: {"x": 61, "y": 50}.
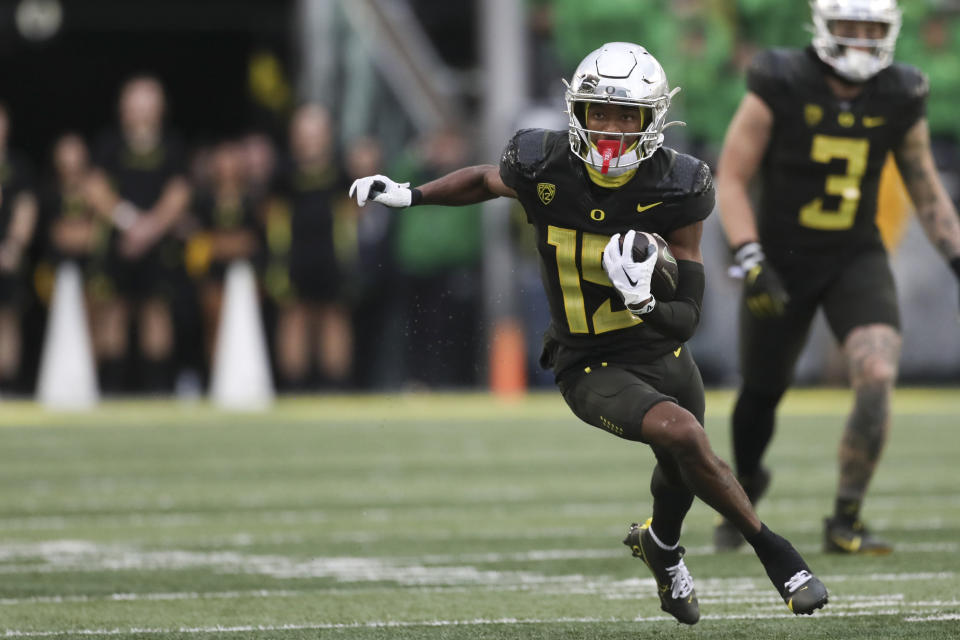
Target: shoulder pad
{"x": 687, "y": 175}
{"x": 782, "y": 64}
{"x": 775, "y": 74}
{"x": 529, "y": 149}
{"x": 904, "y": 80}
{"x": 688, "y": 184}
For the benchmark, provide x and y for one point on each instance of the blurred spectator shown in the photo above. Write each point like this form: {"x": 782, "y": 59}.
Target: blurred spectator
{"x": 580, "y": 27}
{"x": 931, "y": 40}
{"x": 703, "y": 67}
{"x": 304, "y": 275}
{"x": 693, "y": 39}
{"x": 18, "y": 218}
{"x": 769, "y": 23}
{"x": 140, "y": 186}
{"x": 373, "y": 283}
{"x": 228, "y": 231}
{"x": 259, "y": 156}
{"x": 74, "y": 231}
{"x": 72, "y": 223}
{"x": 441, "y": 283}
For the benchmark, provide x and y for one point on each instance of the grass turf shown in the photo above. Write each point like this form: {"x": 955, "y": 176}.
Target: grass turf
{"x": 438, "y": 516}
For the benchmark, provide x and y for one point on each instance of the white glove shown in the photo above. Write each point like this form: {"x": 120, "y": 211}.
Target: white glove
{"x": 631, "y": 279}
{"x": 383, "y": 190}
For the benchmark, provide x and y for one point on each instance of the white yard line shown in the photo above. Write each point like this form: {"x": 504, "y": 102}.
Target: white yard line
{"x": 166, "y": 519}
{"x": 937, "y": 618}
{"x": 880, "y": 505}
{"x": 603, "y": 554}
{"x": 62, "y": 556}
{"x": 61, "y": 549}
{"x": 155, "y": 597}
{"x": 847, "y": 601}
{"x": 380, "y": 624}
{"x": 878, "y": 522}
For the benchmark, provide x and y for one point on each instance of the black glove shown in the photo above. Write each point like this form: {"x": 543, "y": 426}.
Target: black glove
{"x": 762, "y": 289}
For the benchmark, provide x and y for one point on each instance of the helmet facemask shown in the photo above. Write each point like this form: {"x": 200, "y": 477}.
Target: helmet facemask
{"x": 622, "y": 74}
{"x": 855, "y": 59}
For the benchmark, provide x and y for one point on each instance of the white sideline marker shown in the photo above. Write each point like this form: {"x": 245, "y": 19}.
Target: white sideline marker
{"x": 68, "y": 378}
{"x": 240, "y": 378}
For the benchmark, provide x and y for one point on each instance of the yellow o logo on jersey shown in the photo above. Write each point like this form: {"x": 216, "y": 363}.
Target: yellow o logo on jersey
{"x": 597, "y": 214}
{"x": 846, "y": 119}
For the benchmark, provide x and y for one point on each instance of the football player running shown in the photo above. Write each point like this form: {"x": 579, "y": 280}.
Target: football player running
{"x": 618, "y": 355}
{"x": 818, "y": 124}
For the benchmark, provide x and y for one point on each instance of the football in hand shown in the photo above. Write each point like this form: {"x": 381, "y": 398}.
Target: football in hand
{"x": 663, "y": 284}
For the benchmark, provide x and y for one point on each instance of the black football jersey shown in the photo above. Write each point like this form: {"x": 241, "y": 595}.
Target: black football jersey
{"x": 224, "y": 216}
{"x": 310, "y": 195}
{"x": 140, "y": 178}
{"x": 821, "y": 170}
{"x": 574, "y": 219}
{"x": 55, "y": 205}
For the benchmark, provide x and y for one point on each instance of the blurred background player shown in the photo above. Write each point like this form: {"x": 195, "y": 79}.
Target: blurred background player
{"x": 259, "y": 156}
{"x": 620, "y": 356}
{"x": 313, "y": 323}
{"x": 75, "y": 232}
{"x": 141, "y": 187}
{"x": 71, "y": 221}
{"x": 818, "y": 124}
{"x": 18, "y": 221}
{"x": 228, "y": 230}
{"x": 439, "y": 281}
{"x": 374, "y": 281}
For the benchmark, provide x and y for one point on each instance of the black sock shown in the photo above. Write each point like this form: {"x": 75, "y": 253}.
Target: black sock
{"x": 671, "y": 501}
{"x": 765, "y": 542}
{"x": 753, "y": 423}
{"x": 847, "y": 510}
{"x": 780, "y": 560}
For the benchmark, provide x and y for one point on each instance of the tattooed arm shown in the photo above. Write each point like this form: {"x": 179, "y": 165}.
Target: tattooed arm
{"x": 934, "y": 208}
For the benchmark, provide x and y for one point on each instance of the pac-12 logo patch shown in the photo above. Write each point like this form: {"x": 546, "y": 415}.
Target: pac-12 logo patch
{"x": 546, "y": 191}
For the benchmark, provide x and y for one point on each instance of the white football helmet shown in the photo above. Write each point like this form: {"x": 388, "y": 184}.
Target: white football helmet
{"x": 625, "y": 74}
{"x": 842, "y": 54}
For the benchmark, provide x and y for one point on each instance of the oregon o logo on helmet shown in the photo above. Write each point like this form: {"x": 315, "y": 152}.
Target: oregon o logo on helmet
{"x": 597, "y": 214}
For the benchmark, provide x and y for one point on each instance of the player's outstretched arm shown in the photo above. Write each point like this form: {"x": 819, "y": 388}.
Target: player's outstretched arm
{"x": 935, "y": 210}
{"x": 461, "y": 187}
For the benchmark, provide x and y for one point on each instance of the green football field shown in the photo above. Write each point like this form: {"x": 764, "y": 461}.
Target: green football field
{"x": 439, "y": 516}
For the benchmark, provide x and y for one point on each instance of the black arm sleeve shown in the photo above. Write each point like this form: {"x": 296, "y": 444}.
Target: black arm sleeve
{"x": 680, "y": 317}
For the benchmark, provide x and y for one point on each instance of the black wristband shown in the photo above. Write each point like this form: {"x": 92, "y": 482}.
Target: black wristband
{"x": 415, "y": 196}
{"x": 955, "y": 265}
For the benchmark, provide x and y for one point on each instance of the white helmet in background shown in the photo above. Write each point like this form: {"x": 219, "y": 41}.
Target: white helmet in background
{"x": 625, "y": 74}
{"x": 847, "y": 55}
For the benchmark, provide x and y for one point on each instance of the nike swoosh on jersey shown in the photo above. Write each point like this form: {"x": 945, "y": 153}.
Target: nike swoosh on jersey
{"x": 643, "y": 207}
{"x": 869, "y": 122}
{"x": 632, "y": 282}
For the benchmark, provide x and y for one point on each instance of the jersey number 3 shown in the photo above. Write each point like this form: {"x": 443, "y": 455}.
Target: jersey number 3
{"x": 854, "y": 151}
{"x": 591, "y": 257}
